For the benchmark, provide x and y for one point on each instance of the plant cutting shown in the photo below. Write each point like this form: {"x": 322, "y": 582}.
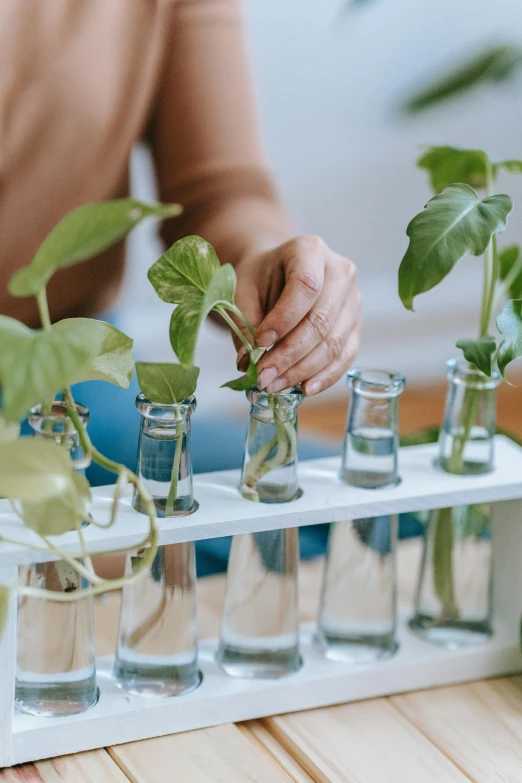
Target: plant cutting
{"x": 457, "y": 222}
{"x": 43, "y": 485}
{"x": 190, "y": 276}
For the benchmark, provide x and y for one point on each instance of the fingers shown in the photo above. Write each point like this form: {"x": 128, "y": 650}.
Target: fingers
{"x": 331, "y": 358}
{"x": 304, "y": 262}
{"x": 316, "y": 326}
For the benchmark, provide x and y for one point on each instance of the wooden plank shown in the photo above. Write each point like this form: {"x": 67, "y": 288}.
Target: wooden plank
{"x": 325, "y": 499}
{"x": 95, "y": 766}
{"x": 223, "y": 754}
{"x": 275, "y": 752}
{"x": 478, "y": 726}
{"x": 367, "y": 742}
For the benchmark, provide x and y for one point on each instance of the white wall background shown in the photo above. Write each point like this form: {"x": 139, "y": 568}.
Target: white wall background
{"x": 328, "y": 86}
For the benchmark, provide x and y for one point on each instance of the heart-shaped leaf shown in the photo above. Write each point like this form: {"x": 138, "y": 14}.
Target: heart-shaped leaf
{"x": 83, "y": 233}
{"x": 479, "y": 352}
{"x": 511, "y": 166}
{"x": 61, "y": 513}
{"x": 34, "y": 470}
{"x": 452, "y": 224}
{"x": 34, "y": 365}
{"x": 5, "y": 596}
{"x": 509, "y": 324}
{"x": 511, "y": 270}
{"x": 249, "y": 379}
{"x": 189, "y": 274}
{"x": 110, "y": 351}
{"x": 448, "y": 165}
{"x": 166, "y": 384}
{"x": 188, "y": 317}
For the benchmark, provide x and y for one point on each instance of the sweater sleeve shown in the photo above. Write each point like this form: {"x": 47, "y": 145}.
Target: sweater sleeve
{"x": 204, "y": 136}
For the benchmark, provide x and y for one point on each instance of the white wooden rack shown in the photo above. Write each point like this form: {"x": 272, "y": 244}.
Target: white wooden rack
{"x": 119, "y": 717}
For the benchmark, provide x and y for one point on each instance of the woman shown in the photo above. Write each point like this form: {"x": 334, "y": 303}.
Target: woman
{"x": 80, "y": 83}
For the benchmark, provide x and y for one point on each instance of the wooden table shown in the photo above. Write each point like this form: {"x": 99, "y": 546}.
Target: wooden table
{"x": 465, "y": 733}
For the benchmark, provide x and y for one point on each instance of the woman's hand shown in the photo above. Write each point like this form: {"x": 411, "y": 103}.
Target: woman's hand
{"x": 303, "y": 299}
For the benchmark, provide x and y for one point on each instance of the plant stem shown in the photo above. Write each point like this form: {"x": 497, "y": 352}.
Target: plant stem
{"x": 237, "y": 331}
{"x": 237, "y": 312}
{"x": 43, "y": 308}
{"x": 443, "y": 582}
{"x": 173, "y": 489}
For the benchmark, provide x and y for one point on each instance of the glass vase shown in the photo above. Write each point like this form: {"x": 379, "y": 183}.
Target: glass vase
{"x": 371, "y": 444}
{"x": 358, "y": 609}
{"x": 259, "y": 624}
{"x": 453, "y": 605}
{"x": 269, "y": 472}
{"x": 157, "y": 637}
{"x": 55, "y": 673}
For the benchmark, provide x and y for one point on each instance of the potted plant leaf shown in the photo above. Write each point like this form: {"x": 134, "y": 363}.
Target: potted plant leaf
{"x": 457, "y": 222}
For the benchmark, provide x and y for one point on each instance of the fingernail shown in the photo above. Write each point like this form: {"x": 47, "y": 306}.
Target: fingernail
{"x": 278, "y": 385}
{"x": 313, "y": 388}
{"x": 266, "y": 339}
{"x": 242, "y": 361}
{"x": 266, "y": 376}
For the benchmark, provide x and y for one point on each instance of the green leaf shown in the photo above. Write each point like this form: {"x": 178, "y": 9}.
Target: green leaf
{"x": 62, "y": 513}
{"x": 453, "y": 223}
{"x": 479, "y": 352}
{"x": 34, "y": 470}
{"x": 511, "y": 270}
{"x": 189, "y": 274}
{"x": 448, "y": 165}
{"x": 496, "y": 64}
{"x": 83, "y": 233}
{"x": 5, "y": 596}
{"x": 34, "y": 365}
{"x": 244, "y": 382}
{"x": 110, "y": 351}
{"x": 511, "y": 166}
{"x": 509, "y": 324}
{"x": 9, "y": 431}
{"x": 166, "y": 384}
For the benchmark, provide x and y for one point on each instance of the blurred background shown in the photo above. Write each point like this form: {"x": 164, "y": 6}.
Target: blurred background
{"x": 332, "y": 81}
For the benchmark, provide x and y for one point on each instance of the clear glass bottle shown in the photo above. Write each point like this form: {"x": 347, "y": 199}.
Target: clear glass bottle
{"x": 164, "y": 456}
{"x": 260, "y": 626}
{"x": 358, "y": 616}
{"x": 453, "y": 605}
{"x": 466, "y": 441}
{"x": 157, "y": 637}
{"x": 371, "y": 443}
{"x": 269, "y": 472}
{"x": 55, "y": 673}
{"x": 358, "y": 608}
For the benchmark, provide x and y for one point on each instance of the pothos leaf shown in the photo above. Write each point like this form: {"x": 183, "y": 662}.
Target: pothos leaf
{"x": 5, "y": 595}
{"x": 34, "y": 470}
{"x": 82, "y": 234}
{"x": 447, "y": 165}
{"x": 64, "y": 512}
{"x": 509, "y": 324}
{"x": 492, "y": 65}
{"x": 453, "y": 223}
{"x": 511, "y": 270}
{"x": 479, "y": 352}
{"x": 244, "y": 382}
{"x": 110, "y": 351}
{"x": 34, "y": 365}
{"x": 511, "y": 166}
{"x": 166, "y": 384}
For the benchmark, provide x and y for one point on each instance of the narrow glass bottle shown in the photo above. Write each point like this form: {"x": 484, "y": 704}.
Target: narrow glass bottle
{"x": 358, "y": 608}
{"x": 269, "y": 472}
{"x": 453, "y": 603}
{"x": 56, "y": 673}
{"x": 260, "y": 624}
{"x": 157, "y": 637}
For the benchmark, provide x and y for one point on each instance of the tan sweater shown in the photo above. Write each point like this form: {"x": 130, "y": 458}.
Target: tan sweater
{"x": 81, "y": 81}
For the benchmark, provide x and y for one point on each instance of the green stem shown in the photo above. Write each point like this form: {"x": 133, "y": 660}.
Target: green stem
{"x": 244, "y": 320}
{"x": 237, "y": 331}
{"x": 443, "y": 582}
{"x": 173, "y": 489}
{"x": 43, "y": 308}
